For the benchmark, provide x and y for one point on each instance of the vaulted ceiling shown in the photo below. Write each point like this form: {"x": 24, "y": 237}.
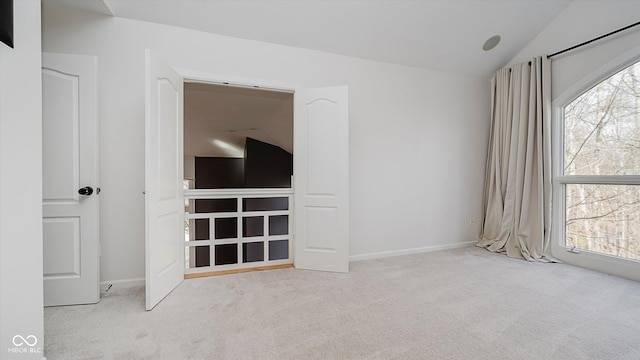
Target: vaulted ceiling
{"x": 442, "y": 35}
{"x": 218, "y": 119}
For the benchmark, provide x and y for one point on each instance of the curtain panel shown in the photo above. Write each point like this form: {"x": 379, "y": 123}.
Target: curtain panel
{"x": 517, "y": 189}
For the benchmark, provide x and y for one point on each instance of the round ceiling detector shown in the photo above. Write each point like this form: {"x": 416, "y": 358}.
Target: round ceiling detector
{"x": 491, "y": 43}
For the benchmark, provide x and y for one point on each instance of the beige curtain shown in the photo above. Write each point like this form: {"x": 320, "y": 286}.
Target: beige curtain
{"x": 517, "y": 189}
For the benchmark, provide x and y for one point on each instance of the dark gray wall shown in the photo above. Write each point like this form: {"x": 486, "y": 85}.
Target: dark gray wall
{"x": 266, "y": 165}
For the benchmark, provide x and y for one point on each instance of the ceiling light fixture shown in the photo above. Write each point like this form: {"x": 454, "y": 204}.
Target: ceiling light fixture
{"x": 491, "y": 43}
{"x": 231, "y": 149}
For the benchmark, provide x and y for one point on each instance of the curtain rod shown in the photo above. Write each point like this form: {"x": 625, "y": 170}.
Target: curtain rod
{"x": 592, "y": 40}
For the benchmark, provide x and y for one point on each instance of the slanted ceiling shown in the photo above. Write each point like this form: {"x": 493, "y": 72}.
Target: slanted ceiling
{"x": 444, "y": 35}
{"x": 218, "y": 119}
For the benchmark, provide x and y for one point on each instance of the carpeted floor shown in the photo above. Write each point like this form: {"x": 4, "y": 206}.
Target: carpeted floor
{"x": 457, "y": 304}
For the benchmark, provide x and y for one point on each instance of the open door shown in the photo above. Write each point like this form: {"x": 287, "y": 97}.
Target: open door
{"x": 70, "y": 179}
{"x": 321, "y": 179}
{"x": 164, "y": 206}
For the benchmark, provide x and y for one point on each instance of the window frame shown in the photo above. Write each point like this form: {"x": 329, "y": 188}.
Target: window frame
{"x": 627, "y": 268}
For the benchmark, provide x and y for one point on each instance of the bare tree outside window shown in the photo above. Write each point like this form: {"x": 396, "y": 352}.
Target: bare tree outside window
{"x": 602, "y": 139}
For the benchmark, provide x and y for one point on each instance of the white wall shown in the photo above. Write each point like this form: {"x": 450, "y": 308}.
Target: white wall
{"x": 579, "y": 22}
{"x": 417, "y": 137}
{"x": 21, "y": 185}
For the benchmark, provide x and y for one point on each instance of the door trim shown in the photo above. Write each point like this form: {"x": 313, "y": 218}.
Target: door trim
{"x": 234, "y": 80}
{"x": 195, "y": 76}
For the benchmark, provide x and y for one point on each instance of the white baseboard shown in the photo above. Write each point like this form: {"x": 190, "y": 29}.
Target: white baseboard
{"x": 376, "y": 255}
{"x": 123, "y": 283}
{"x": 383, "y": 254}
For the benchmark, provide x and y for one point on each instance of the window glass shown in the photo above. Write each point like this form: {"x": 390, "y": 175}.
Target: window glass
{"x": 604, "y": 219}
{"x": 602, "y": 131}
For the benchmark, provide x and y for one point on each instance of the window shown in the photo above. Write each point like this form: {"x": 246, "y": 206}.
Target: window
{"x": 597, "y": 180}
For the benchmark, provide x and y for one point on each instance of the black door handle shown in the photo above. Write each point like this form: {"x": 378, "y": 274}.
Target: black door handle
{"x": 87, "y": 190}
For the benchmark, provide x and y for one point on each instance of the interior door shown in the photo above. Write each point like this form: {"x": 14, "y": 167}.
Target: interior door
{"x": 70, "y": 179}
{"x": 321, "y": 181}
{"x": 164, "y": 206}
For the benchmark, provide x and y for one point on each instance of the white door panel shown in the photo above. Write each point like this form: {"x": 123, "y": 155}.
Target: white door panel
{"x": 70, "y": 161}
{"x": 62, "y": 246}
{"x": 164, "y": 235}
{"x": 321, "y": 181}
{"x": 61, "y": 139}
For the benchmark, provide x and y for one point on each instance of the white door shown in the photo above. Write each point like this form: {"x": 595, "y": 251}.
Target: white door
{"x": 321, "y": 179}
{"x": 70, "y": 179}
{"x": 164, "y": 204}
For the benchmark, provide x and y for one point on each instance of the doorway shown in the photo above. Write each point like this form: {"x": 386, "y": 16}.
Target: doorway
{"x": 238, "y": 166}
{"x": 321, "y": 184}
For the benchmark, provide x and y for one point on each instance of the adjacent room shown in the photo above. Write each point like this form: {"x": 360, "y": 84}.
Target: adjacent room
{"x": 237, "y": 138}
{"x": 320, "y": 179}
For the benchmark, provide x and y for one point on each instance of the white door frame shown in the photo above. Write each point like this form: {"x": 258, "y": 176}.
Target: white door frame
{"x": 232, "y": 80}
{"x": 240, "y": 81}
{"x": 264, "y": 84}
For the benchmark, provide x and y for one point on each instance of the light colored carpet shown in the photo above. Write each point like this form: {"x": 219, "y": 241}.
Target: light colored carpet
{"x": 457, "y": 304}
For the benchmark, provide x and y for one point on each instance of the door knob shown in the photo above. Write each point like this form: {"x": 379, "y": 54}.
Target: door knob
{"x": 87, "y": 190}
